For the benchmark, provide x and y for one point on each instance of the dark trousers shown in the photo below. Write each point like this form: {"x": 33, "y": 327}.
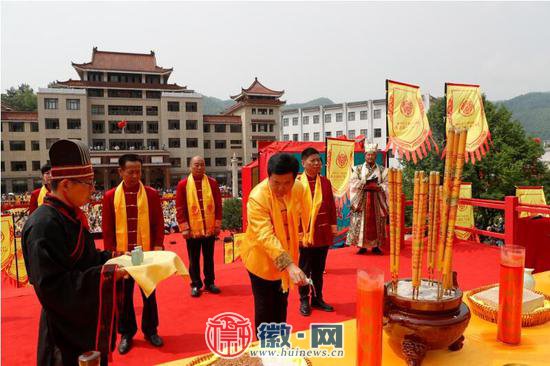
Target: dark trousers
{"x": 270, "y": 302}
{"x": 312, "y": 261}
{"x": 194, "y": 247}
{"x": 127, "y": 325}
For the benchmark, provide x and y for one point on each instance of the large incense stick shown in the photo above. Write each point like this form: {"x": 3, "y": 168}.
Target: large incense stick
{"x": 415, "y": 244}
{"x": 391, "y": 207}
{"x": 398, "y": 213}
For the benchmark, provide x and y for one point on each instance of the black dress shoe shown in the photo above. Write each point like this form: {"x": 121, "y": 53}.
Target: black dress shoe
{"x": 305, "y": 308}
{"x": 321, "y": 305}
{"x": 376, "y": 251}
{"x": 125, "y": 345}
{"x": 195, "y": 292}
{"x": 362, "y": 251}
{"x": 213, "y": 289}
{"x": 155, "y": 340}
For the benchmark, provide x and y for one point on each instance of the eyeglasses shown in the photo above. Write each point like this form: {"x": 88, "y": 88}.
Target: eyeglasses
{"x": 90, "y": 184}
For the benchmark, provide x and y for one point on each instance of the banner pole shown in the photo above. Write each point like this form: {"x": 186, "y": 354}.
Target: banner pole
{"x": 15, "y": 252}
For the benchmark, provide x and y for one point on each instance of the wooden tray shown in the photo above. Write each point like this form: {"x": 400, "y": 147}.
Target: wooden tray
{"x": 537, "y": 317}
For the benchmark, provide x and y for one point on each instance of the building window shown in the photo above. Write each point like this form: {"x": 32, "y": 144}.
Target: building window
{"x": 152, "y": 94}
{"x": 73, "y": 124}
{"x": 152, "y": 79}
{"x": 98, "y": 126}
{"x": 363, "y": 115}
{"x": 3, "y": 169}
{"x": 35, "y": 165}
{"x": 351, "y": 116}
{"x": 262, "y": 111}
{"x": 52, "y": 124}
{"x": 316, "y": 119}
{"x": 18, "y": 166}
{"x": 253, "y": 110}
{"x": 113, "y": 127}
{"x": 220, "y": 144}
{"x": 152, "y": 127}
{"x": 295, "y": 121}
{"x": 175, "y": 162}
{"x": 192, "y": 142}
{"x": 116, "y": 93}
{"x": 219, "y": 128}
{"x": 206, "y": 127}
{"x": 235, "y": 128}
{"x": 285, "y": 122}
{"x": 316, "y": 136}
{"x": 377, "y": 113}
{"x": 328, "y": 134}
{"x": 73, "y": 104}
{"x": 254, "y": 144}
{"x": 17, "y": 145}
{"x": 363, "y": 132}
{"x": 34, "y": 127}
{"x": 191, "y": 124}
{"x": 173, "y": 124}
{"x": 95, "y": 93}
{"x": 338, "y": 117}
{"x": 305, "y": 120}
{"x": 95, "y": 76}
{"x": 351, "y": 134}
{"x": 153, "y": 144}
{"x": 285, "y": 137}
{"x": 50, "y": 142}
{"x": 126, "y": 110}
{"x": 306, "y": 137}
{"x": 190, "y": 106}
{"x": 295, "y": 137}
{"x": 221, "y": 161}
{"x": 377, "y": 132}
{"x": 328, "y": 118}
{"x": 98, "y": 144}
{"x": 50, "y": 103}
{"x": 173, "y": 106}
{"x": 174, "y": 143}
{"x": 17, "y": 127}
{"x": 339, "y": 133}
{"x": 98, "y": 109}
{"x": 35, "y": 145}
{"x": 206, "y": 144}
{"x": 134, "y": 127}
{"x": 152, "y": 111}
{"x": 236, "y": 144}
{"x": 207, "y": 161}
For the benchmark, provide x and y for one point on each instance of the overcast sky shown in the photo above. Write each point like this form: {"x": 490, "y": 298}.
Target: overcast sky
{"x": 343, "y": 51}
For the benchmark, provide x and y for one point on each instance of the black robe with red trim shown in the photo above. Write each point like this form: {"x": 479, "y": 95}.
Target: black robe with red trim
{"x": 71, "y": 283}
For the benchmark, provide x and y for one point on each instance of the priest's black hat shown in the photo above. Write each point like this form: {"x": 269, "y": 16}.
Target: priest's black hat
{"x": 70, "y": 159}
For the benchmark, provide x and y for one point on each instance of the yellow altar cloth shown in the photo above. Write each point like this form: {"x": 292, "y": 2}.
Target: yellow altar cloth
{"x": 156, "y": 267}
{"x": 481, "y": 347}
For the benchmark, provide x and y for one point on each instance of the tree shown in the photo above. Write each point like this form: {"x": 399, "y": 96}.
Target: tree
{"x": 21, "y": 99}
{"x": 513, "y": 159}
{"x": 232, "y": 214}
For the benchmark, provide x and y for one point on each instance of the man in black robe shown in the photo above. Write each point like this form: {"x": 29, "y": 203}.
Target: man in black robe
{"x": 77, "y": 292}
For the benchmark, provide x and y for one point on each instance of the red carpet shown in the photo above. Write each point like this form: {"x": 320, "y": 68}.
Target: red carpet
{"x": 182, "y": 318}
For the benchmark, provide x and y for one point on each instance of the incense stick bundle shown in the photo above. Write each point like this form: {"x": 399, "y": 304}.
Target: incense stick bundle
{"x": 422, "y": 220}
{"x": 398, "y": 213}
{"x": 432, "y": 210}
{"x": 392, "y": 209}
{"x": 415, "y": 244}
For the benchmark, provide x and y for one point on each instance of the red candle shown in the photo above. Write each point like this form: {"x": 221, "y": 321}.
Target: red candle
{"x": 512, "y": 261}
{"x": 370, "y": 297}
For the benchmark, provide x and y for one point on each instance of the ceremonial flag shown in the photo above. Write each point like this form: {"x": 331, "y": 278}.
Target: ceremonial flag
{"x": 340, "y": 160}
{"x": 232, "y": 250}
{"x": 122, "y": 124}
{"x": 8, "y": 238}
{"x": 532, "y": 196}
{"x": 464, "y": 109}
{"x": 465, "y": 213}
{"x": 409, "y": 131}
{"x": 13, "y": 266}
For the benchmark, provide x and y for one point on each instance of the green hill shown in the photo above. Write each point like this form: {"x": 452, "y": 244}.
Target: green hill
{"x": 311, "y": 103}
{"x": 532, "y": 110}
{"x": 212, "y": 105}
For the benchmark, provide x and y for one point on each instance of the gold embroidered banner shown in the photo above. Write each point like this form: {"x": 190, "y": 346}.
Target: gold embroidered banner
{"x": 465, "y": 213}
{"x": 409, "y": 131}
{"x": 530, "y": 195}
{"x": 232, "y": 250}
{"x": 13, "y": 267}
{"x": 464, "y": 109}
{"x": 339, "y": 164}
{"x": 8, "y": 237}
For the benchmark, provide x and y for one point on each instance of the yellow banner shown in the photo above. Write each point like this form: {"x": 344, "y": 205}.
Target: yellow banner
{"x": 465, "y": 110}
{"x": 8, "y": 237}
{"x": 339, "y": 164}
{"x": 465, "y": 213}
{"x": 409, "y": 131}
{"x": 12, "y": 268}
{"x": 532, "y": 196}
{"x": 232, "y": 250}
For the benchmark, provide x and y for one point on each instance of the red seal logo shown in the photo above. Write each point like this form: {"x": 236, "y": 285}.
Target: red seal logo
{"x": 466, "y": 108}
{"x": 406, "y": 108}
{"x": 228, "y": 335}
{"x": 341, "y": 160}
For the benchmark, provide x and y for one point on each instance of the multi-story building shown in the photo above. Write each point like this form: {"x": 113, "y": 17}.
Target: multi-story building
{"x": 121, "y": 103}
